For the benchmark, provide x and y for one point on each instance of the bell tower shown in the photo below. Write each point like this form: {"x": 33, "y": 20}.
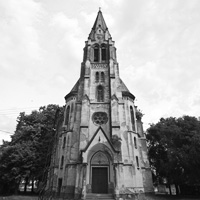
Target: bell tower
{"x": 101, "y": 146}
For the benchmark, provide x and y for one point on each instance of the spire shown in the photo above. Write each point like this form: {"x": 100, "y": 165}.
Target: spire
{"x": 99, "y": 22}
{"x": 99, "y": 28}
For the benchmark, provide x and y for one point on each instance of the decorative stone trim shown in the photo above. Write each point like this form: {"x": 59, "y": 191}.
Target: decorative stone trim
{"x": 99, "y": 66}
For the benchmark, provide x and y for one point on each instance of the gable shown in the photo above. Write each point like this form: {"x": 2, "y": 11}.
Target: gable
{"x": 99, "y": 137}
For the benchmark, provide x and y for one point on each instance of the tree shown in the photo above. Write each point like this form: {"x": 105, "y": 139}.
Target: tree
{"x": 174, "y": 150}
{"x": 25, "y": 157}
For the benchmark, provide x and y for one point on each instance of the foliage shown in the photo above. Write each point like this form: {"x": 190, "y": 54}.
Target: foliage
{"x": 174, "y": 150}
{"x": 25, "y": 157}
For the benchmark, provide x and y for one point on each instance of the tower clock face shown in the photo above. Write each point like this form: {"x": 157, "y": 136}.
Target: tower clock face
{"x": 99, "y": 118}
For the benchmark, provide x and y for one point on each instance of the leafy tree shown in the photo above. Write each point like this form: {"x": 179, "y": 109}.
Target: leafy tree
{"x": 25, "y": 157}
{"x": 174, "y": 150}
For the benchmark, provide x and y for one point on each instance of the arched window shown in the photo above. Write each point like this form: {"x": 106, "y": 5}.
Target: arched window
{"x": 103, "y": 52}
{"x": 137, "y": 162}
{"x": 64, "y": 142}
{"x": 72, "y": 107}
{"x": 97, "y": 77}
{"x": 100, "y": 93}
{"x": 132, "y": 118}
{"x": 102, "y": 77}
{"x": 68, "y": 142}
{"x": 135, "y": 142}
{"x": 96, "y": 53}
{"x": 67, "y": 116}
{"x": 62, "y": 162}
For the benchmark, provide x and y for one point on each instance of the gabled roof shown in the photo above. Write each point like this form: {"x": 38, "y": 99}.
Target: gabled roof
{"x": 124, "y": 90}
{"x": 95, "y": 134}
{"x": 74, "y": 90}
{"x": 123, "y": 87}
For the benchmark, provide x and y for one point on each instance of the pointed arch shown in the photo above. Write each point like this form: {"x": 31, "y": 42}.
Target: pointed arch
{"x": 137, "y": 162}
{"x": 100, "y": 93}
{"x": 96, "y": 53}
{"x": 99, "y": 158}
{"x": 64, "y": 142}
{"x": 132, "y": 118}
{"x": 103, "y": 52}
{"x": 62, "y": 162}
{"x": 67, "y": 116}
{"x": 102, "y": 77}
{"x": 135, "y": 142}
{"x": 97, "y": 77}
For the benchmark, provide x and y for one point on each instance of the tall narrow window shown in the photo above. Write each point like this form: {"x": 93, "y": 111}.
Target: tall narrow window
{"x": 96, "y": 53}
{"x": 137, "y": 162}
{"x": 62, "y": 162}
{"x": 132, "y": 118}
{"x": 68, "y": 147}
{"x": 102, "y": 77}
{"x": 97, "y": 77}
{"x": 67, "y": 116}
{"x": 135, "y": 142}
{"x": 100, "y": 93}
{"x": 64, "y": 142}
{"x": 103, "y": 52}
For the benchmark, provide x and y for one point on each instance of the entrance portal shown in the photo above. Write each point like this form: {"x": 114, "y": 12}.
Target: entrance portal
{"x": 100, "y": 173}
{"x": 99, "y": 180}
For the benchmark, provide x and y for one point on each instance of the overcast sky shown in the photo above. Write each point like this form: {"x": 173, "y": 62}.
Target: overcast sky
{"x": 41, "y": 49}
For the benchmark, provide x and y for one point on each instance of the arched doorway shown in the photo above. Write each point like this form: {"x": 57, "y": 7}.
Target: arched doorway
{"x": 100, "y": 173}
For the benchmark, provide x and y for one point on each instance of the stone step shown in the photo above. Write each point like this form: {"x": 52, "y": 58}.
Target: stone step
{"x": 99, "y": 196}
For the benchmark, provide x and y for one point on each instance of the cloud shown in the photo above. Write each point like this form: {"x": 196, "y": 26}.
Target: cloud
{"x": 160, "y": 66}
{"x": 18, "y": 33}
{"x": 158, "y": 48}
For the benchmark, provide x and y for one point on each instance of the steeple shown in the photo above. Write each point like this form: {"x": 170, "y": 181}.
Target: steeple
{"x": 99, "y": 22}
{"x": 99, "y": 27}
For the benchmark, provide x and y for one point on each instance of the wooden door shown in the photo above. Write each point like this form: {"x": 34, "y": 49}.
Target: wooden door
{"x": 100, "y": 180}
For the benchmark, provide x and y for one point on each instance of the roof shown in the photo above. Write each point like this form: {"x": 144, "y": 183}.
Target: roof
{"x": 74, "y": 90}
{"x": 99, "y": 22}
{"x": 123, "y": 87}
{"x": 125, "y": 92}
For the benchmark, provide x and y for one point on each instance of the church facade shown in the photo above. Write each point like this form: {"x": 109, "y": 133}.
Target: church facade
{"x": 101, "y": 148}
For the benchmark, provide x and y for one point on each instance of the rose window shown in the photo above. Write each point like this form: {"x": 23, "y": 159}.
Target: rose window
{"x": 100, "y": 118}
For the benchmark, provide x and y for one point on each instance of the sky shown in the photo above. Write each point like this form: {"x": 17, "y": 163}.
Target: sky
{"x": 41, "y": 50}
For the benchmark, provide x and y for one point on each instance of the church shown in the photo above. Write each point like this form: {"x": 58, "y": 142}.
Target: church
{"x": 101, "y": 149}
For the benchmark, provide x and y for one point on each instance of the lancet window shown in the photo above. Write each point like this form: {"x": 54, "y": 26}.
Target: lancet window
{"x": 100, "y": 93}
{"x": 132, "y": 118}
{"x": 96, "y": 53}
{"x": 100, "y": 53}
{"x": 103, "y": 52}
{"x": 64, "y": 142}
{"x": 137, "y": 162}
{"x": 62, "y": 162}
{"x": 135, "y": 142}
{"x": 102, "y": 77}
{"x": 97, "y": 77}
{"x": 67, "y": 116}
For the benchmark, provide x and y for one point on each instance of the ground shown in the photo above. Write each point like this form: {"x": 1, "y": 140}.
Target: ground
{"x": 156, "y": 197}
{"x": 19, "y": 197}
